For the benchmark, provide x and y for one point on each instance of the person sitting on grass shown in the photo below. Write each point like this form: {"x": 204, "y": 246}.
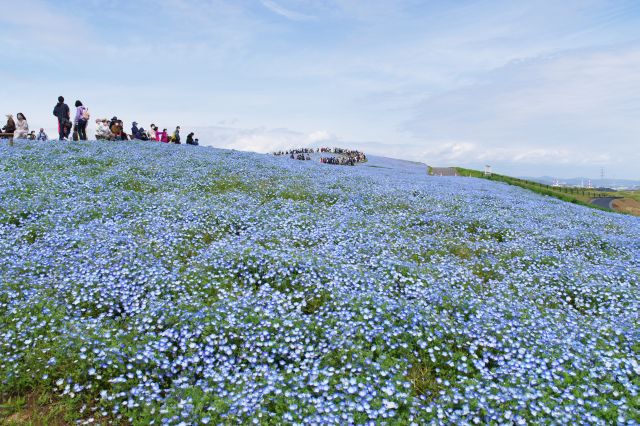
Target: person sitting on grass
{"x": 66, "y": 129}
{"x": 22, "y": 127}
{"x": 190, "y": 140}
{"x": 153, "y": 133}
{"x": 42, "y": 136}
{"x": 116, "y": 128}
{"x": 102, "y": 130}
{"x": 124, "y": 136}
{"x": 142, "y": 135}
{"x": 163, "y": 136}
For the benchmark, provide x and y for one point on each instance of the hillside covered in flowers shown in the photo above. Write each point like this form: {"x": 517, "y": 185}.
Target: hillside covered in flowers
{"x": 151, "y": 284}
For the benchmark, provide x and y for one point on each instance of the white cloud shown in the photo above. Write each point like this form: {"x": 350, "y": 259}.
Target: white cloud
{"x": 261, "y": 139}
{"x": 464, "y": 153}
{"x": 576, "y": 107}
{"x": 287, "y": 13}
{"x": 36, "y": 24}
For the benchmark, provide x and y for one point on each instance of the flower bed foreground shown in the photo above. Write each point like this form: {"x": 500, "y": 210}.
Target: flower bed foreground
{"x": 145, "y": 283}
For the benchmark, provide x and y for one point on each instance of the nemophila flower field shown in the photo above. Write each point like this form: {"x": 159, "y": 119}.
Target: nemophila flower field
{"x": 152, "y": 284}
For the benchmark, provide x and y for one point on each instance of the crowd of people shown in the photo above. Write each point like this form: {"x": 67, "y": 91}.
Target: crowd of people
{"x": 302, "y": 157}
{"x": 345, "y": 157}
{"x": 340, "y": 161}
{"x": 76, "y": 128}
{"x": 114, "y": 129}
{"x": 296, "y": 151}
{"x": 356, "y": 156}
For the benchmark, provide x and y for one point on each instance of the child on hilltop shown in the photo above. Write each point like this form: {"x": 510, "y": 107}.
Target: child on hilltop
{"x": 42, "y": 136}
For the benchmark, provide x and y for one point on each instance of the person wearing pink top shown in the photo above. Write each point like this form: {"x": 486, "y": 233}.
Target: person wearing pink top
{"x": 163, "y": 136}
{"x": 153, "y": 133}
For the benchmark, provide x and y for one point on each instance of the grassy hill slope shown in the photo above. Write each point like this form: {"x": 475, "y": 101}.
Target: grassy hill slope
{"x": 142, "y": 282}
{"x": 628, "y": 202}
{"x": 581, "y": 196}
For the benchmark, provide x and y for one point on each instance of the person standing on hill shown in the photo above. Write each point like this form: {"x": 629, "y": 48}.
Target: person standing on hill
{"x": 81, "y": 120}
{"x": 176, "y": 135}
{"x": 61, "y": 111}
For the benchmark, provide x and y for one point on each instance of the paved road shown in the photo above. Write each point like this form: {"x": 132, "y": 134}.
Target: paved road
{"x": 604, "y": 202}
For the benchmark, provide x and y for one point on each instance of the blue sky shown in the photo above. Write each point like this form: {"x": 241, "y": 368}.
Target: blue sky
{"x": 532, "y": 88}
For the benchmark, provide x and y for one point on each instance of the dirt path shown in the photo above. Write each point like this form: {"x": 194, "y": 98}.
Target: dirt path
{"x": 627, "y": 205}
{"x": 619, "y": 204}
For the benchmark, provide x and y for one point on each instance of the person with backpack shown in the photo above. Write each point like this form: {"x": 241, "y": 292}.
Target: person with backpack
{"x": 81, "y": 120}
{"x": 22, "y": 127}
{"x": 176, "y": 136}
{"x": 61, "y": 111}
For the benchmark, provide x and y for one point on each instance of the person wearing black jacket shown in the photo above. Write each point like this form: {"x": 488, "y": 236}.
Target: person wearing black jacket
{"x": 190, "y": 140}
{"x": 61, "y": 111}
